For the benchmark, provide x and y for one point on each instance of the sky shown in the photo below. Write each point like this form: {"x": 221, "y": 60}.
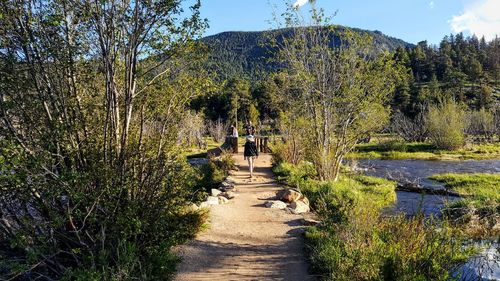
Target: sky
{"x": 410, "y": 20}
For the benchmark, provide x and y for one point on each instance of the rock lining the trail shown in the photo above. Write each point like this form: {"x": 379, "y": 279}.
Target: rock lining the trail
{"x": 226, "y": 192}
{"x": 298, "y": 202}
{"x": 276, "y": 204}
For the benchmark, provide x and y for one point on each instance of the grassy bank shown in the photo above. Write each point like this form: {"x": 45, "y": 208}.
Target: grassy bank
{"x": 482, "y": 187}
{"x": 479, "y": 212}
{"x": 423, "y": 151}
{"x": 354, "y": 242}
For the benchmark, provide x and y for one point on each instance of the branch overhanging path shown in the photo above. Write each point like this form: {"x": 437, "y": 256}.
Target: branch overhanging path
{"x": 245, "y": 240}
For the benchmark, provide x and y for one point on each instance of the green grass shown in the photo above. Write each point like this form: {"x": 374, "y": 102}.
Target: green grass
{"x": 477, "y": 214}
{"x": 477, "y": 186}
{"x": 423, "y": 151}
{"x": 336, "y": 200}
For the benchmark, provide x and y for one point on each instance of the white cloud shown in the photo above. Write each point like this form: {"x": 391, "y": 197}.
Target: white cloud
{"x": 481, "y": 18}
{"x": 299, "y": 3}
{"x": 431, "y": 5}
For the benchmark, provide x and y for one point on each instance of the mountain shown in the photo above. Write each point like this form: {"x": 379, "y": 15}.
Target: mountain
{"x": 246, "y": 54}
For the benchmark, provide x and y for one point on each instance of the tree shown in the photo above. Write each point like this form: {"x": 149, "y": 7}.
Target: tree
{"x": 484, "y": 97}
{"x": 237, "y": 93}
{"x": 91, "y": 95}
{"x": 343, "y": 87}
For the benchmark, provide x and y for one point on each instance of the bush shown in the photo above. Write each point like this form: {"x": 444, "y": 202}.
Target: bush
{"x": 409, "y": 129}
{"x": 445, "y": 124}
{"x": 336, "y": 200}
{"x": 394, "y": 145}
{"x": 480, "y": 124}
{"x": 191, "y": 130}
{"x": 293, "y": 132}
{"x": 68, "y": 229}
{"x": 213, "y": 173}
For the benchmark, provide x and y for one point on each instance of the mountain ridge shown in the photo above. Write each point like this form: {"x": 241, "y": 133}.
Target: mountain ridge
{"x": 243, "y": 54}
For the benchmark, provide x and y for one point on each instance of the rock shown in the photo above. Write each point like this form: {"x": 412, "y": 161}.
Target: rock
{"x": 212, "y": 200}
{"x": 305, "y": 200}
{"x": 299, "y": 207}
{"x": 230, "y": 181}
{"x": 204, "y": 205}
{"x": 215, "y": 192}
{"x": 225, "y": 186}
{"x": 275, "y": 204}
{"x": 193, "y": 207}
{"x": 289, "y": 195}
{"x": 223, "y": 200}
{"x": 228, "y": 194}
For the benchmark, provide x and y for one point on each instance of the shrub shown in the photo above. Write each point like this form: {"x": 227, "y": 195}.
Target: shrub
{"x": 213, "y": 173}
{"x": 293, "y": 132}
{"x": 480, "y": 124}
{"x": 409, "y": 129}
{"x": 445, "y": 124}
{"x": 394, "y": 145}
{"x": 191, "y": 130}
{"x": 68, "y": 229}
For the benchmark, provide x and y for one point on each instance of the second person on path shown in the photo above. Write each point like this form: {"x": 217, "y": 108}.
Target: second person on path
{"x": 250, "y": 152}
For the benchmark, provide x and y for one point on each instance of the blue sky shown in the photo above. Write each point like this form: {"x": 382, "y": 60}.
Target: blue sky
{"x": 410, "y": 20}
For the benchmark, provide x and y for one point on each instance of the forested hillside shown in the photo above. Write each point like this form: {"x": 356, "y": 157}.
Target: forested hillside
{"x": 463, "y": 68}
{"x": 466, "y": 69}
{"x": 248, "y": 54}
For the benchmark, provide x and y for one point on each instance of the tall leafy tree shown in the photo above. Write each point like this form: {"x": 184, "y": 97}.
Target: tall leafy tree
{"x": 343, "y": 88}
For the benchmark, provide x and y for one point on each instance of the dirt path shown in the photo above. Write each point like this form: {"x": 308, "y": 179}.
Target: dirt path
{"x": 247, "y": 241}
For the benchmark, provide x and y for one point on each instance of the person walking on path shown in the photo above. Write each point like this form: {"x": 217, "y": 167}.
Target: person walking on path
{"x": 250, "y": 153}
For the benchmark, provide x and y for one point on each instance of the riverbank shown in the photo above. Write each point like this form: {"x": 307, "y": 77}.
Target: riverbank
{"x": 395, "y": 150}
{"x": 478, "y": 186}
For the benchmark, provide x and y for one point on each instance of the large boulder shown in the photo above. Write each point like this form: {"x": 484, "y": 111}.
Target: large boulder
{"x": 212, "y": 200}
{"x": 275, "y": 204}
{"x": 215, "y": 192}
{"x": 299, "y": 207}
{"x": 289, "y": 195}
